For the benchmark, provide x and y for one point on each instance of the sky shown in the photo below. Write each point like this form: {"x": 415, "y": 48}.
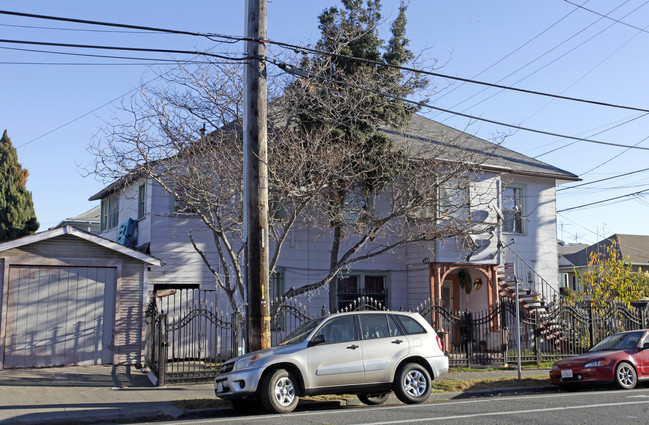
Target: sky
{"x": 54, "y": 105}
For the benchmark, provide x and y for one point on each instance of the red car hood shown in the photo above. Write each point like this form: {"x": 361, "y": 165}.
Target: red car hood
{"x": 580, "y": 360}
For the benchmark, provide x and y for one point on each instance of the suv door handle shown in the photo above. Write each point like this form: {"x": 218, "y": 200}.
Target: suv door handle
{"x": 352, "y": 347}
{"x": 397, "y": 341}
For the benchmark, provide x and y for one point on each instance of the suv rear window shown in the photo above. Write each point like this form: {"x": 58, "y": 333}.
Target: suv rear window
{"x": 410, "y": 325}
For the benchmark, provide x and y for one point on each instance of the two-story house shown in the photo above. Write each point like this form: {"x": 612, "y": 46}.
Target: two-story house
{"x": 518, "y": 207}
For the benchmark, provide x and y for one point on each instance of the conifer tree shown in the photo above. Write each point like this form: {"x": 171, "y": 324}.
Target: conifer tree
{"x": 17, "y": 216}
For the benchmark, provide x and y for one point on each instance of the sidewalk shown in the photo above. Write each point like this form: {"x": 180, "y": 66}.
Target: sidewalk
{"x": 103, "y": 394}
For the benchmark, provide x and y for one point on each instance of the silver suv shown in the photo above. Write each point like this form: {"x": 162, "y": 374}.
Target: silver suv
{"x": 368, "y": 354}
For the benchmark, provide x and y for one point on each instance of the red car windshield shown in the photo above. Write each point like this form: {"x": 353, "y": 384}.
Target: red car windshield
{"x": 622, "y": 341}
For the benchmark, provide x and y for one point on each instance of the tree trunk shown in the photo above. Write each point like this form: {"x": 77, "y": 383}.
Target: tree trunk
{"x": 335, "y": 248}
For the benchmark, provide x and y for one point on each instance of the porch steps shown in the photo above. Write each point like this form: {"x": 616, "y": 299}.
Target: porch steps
{"x": 530, "y": 300}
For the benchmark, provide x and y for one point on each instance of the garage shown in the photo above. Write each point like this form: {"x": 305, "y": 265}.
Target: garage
{"x": 59, "y": 316}
{"x": 69, "y": 297}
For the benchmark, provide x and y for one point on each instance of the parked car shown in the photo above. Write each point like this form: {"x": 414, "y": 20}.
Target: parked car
{"x": 369, "y": 354}
{"x": 622, "y": 358}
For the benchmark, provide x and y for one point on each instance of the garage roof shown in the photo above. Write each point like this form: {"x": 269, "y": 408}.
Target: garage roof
{"x": 69, "y": 230}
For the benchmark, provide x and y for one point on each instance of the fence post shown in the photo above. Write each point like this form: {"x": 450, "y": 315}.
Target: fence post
{"x": 591, "y": 324}
{"x": 235, "y": 335}
{"x": 162, "y": 349}
{"x": 537, "y": 336}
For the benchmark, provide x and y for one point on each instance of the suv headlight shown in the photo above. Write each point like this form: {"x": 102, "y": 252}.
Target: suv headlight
{"x": 555, "y": 367}
{"x": 247, "y": 361}
{"x": 598, "y": 363}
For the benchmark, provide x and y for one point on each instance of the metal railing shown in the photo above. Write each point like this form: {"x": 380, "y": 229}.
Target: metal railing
{"x": 528, "y": 277}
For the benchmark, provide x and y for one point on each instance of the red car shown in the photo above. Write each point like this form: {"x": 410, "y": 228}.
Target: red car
{"x": 622, "y": 358}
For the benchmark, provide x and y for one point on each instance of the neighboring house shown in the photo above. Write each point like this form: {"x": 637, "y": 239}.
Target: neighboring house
{"x": 521, "y": 212}
{"x": 633, "y": 248}
{"x": 89, "y": 221}
{"x": 71, "y": 298}
{"x": 570, "y": 256}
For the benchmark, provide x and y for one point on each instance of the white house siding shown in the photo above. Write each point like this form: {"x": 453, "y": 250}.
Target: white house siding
{"x": 537, "y": 245}
{"x": 418, "y": 279}
{"x": 306, "y": 254}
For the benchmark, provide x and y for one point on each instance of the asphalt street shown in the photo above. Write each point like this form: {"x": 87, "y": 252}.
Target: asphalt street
{"x": 592, "y": 407}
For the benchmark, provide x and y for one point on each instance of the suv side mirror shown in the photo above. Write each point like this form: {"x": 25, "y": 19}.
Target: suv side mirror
{"x": 317, "y": 340}
{"x": 645, "y": 346}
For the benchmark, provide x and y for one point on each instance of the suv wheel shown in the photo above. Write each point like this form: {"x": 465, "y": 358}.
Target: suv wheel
{"x": 412, "y": 384}
{"x": 278, "y": 392}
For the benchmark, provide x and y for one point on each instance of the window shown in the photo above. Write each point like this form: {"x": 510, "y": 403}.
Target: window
{"x": 513, "y": 209}
{"x": 109, "y": 212}
{"x": 276, "y": 284}
{"x": 353, "y": 286}
{"x": 356, "y": 205}
{"x": 340, "y": 329}
{"x": 454, "y": 199}
{"x": 141, "y": 201}
{"x": 378, "y": 326}
{"x": 411, "y": 325}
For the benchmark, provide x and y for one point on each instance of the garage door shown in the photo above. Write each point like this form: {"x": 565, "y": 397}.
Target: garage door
{"x": 59, "y": 316}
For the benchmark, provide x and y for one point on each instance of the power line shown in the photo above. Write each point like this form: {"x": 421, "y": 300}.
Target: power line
{"x": 607, "y": 16}
{"x": 87, "y": 55}
{"x": 113, "y": 24}
{"x": 603, "y": 201}
{"x": 304, "y": 49}
{"x": 69, "y": 29}
{"x": 301, "y": 73}
{"x": 544, "y": 66}
{"x": 604, "y": 179}
{"x": 120, "y": 48}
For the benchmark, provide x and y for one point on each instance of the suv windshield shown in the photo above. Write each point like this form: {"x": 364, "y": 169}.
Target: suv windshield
{"x": 301, "y": 333}
{"x": 625, "y": 341}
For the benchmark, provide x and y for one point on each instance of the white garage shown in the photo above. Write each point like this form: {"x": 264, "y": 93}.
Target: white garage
{"x": 71, "y": 298}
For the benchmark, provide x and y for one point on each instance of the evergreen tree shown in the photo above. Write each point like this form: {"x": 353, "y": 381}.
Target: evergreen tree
{"x": 17, "y": 217}
{"x": 350, "y": 33}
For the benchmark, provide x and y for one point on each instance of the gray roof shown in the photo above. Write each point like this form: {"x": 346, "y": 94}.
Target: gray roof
{"x": 418, "y": 136}
{"x": 421, "y": 132}
{"x": 633, "y": 247}
{"x": 69, "y": 230}
{"x": 90, "y": 216}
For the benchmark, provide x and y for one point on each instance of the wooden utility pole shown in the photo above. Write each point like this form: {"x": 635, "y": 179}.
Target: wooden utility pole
{"x": 256, "y": 177}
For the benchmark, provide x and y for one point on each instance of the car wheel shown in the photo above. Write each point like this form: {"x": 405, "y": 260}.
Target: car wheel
{"x": 412, "y": 384}
{"x": 246, "y": 406}
{"x": 373, "y": 399}
{"x": 278, "y": 392}
{"x": 625, "y": 376}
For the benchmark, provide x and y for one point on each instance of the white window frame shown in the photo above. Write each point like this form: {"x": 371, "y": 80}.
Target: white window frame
{"x": 109, "y": 212}
{"x": 141, "y": 201}
{"x": 510, "y": 216}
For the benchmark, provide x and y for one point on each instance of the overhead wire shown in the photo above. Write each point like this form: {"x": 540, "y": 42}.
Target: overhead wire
{"x": 581, "y": 6}
{"x": 299, "y": 72}
{"x": 603, "y": 180}
{"x": 304, "y": 49}
{"x": 307, "y": 49}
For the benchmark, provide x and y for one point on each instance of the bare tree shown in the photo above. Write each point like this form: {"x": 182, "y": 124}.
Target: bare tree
{"x": 345, "y": 156}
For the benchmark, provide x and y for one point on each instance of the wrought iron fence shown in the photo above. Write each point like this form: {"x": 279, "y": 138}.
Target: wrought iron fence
{"x": 187, "y": 340}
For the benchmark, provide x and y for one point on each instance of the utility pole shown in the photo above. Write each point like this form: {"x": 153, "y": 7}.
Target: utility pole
{"x": 255, "y": 158}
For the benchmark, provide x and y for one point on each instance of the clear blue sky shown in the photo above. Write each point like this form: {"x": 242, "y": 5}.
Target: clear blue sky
{"x": 53, "y": 111}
